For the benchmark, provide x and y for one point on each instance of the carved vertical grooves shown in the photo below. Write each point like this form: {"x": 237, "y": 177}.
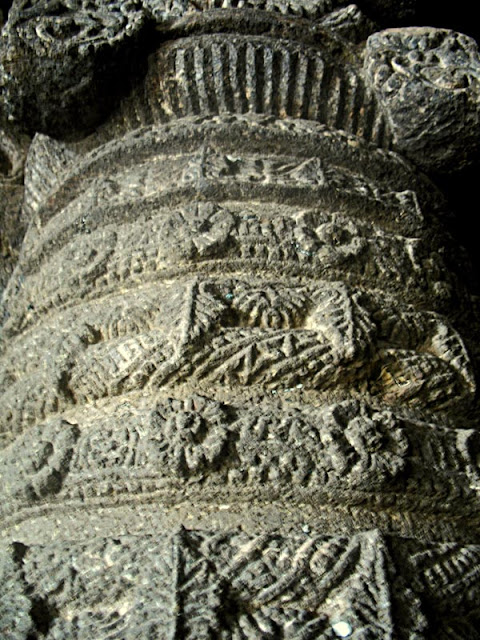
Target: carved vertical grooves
{"x": 338, "y": 99}
{"x": 268, "y": 79}
{"x": 229, "y": 56}
{"x": 366, "y": 124}
{"x": 185, "y": 107}
{"x": 241, "y": 71}
{"x": 242, "y": 322}
{"x": 203, "y": 73}
{"x": 251, "y": 93}
{"x": 316, "y": 68}
{"x": 237, "y": 75}
{"x": 191, "y": 81}
{"x": 171, "y": 105}
{"x": 227, "y": 79}
{"x": 233, "y": 76}
{"x": 324, "y": 114}
{"x": 350, "y": 88}
{"x": 357, "y": 103}
{"x": 276, "y": 80}
{"x": 301, "y": 96}
{"x": 290, "y": 106}
{"x": 378, "y": 129}
{"x": 145, "y": 111}
{"x": 286, "y": 82}
{"x": 217, "y": 79}
{"x": 259, "y": 80}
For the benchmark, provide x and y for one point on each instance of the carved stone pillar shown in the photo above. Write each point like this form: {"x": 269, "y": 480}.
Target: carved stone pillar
{"x": 238, "y": 365}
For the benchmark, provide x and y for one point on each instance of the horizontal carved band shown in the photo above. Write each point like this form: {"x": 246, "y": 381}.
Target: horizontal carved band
{"x": 234, "y": 585}
{"x": 345, "y": 453}
{"x": 325, "y": 336}
{"x": 233, "y": 74}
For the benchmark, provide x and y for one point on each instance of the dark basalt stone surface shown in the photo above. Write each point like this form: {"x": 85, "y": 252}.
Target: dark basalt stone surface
{"x": 239, "y": 345}
{"x": 427, "y": 81}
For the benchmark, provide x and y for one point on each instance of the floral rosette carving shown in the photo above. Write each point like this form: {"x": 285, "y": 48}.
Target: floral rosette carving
{"x": 197, "y": 231}
{"x": 187, "y": 436}
{"x": 380, "y": 446}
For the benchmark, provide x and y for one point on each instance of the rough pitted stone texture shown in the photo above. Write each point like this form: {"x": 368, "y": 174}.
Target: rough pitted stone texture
{"x": 64, "y": 65}
{"x": 13, "y": 221}
{"x": 428, "y": 83}
{"x": 237, "y": 398}
{"x": 59, "y": 61}
{"x": 203, "y": 585}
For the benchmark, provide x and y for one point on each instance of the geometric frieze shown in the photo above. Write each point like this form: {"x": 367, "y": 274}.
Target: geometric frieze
{"x": 328, "y": 454}
{"x": 230, "y": 585}
{"x": 324, "y": 336}
{"x": 205, "y": 237}
{"x": 237, "y": 366}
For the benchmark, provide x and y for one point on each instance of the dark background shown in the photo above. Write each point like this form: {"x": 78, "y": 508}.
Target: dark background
{"x": 462, "y": 190}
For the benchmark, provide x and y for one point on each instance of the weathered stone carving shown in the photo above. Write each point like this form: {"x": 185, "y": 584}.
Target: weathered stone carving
{"x": 237, "y": 380}
{"x": 428, "y": 83}
{"x": 199, "y": 585}
{"x": 14, "y": 222}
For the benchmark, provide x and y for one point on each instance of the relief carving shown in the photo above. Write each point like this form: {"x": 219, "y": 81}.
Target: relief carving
{"x": 238, "y": 360}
